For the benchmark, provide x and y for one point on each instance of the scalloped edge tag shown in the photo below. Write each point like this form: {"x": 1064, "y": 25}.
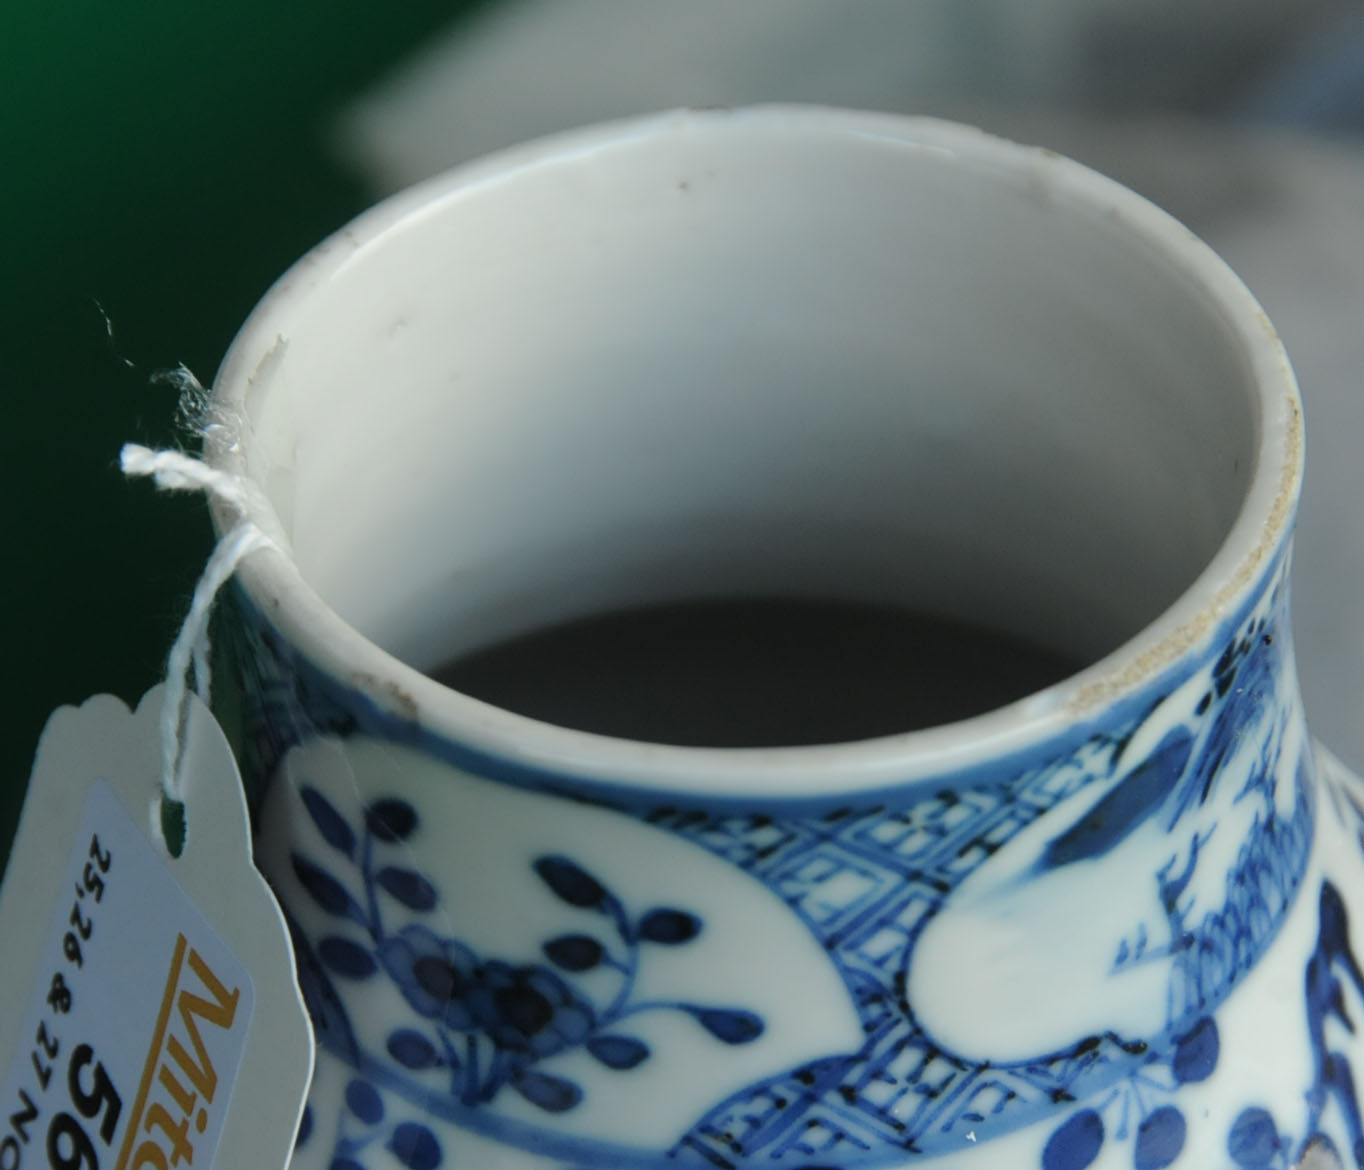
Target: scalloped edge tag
{"x": 149, "y": 1009}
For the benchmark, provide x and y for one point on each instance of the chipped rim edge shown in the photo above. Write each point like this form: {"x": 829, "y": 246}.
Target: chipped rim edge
{"x": 1185, "y": 631}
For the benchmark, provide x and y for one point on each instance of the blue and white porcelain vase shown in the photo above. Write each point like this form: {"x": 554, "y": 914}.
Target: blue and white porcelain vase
{"x": 805, "y": 353}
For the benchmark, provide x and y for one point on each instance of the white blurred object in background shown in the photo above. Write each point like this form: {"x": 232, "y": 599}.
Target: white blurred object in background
{"x": 525, "y": 68}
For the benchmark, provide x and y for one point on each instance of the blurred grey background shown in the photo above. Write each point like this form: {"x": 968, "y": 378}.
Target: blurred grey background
{"x": 164, "y": 162}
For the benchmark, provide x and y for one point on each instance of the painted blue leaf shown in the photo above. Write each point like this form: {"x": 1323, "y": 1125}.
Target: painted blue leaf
{"x": 574, "y": 952}
{"x": 305, "y": 1128}
{"x": 1135, "y": 798}
{"x": 363, "y": 1100}
{"x": 1196, "y": 1054}
{"x": 669, "y": 926}
{"x": 570, "y": 881}
{"x": 1254, "y": 1139}
{"x": 731, "y": 1026}
{"x": 1075, "y": 1143}
{"x": 1160, "y": 1138}
{"x": 408, "y": 886}
{"x": 415, "y": 1146}
{"x": 346, "y": 957}
{"x": 391, "y": 819}
{"x": 330, "y": 823}
{"x": 1335, "y": 921}
{"x": 619, "y": 1052}
{"x": 411, "y": 1049}
{"x": 344, "y": 1164}
{"x": 552, "y": 1094}
{"x": 331, "y": 1025}
{"x": 325, "y": 890}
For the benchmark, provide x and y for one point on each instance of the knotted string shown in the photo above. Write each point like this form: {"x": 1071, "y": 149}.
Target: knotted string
{"x": 190, "y": 652}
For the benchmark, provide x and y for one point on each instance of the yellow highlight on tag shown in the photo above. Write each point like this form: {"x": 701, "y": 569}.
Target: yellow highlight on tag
{"x": 219, "y": 1011}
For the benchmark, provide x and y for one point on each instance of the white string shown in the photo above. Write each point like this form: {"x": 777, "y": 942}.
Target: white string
{"x": 174, "y": 471}
{"x": 191, "y": 647}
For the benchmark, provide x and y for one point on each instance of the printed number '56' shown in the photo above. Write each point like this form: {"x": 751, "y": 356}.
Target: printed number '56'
{"x": 101, "y": 1098}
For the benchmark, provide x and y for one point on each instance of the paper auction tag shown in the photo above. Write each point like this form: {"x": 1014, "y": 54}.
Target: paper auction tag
{"x": 149, "y": 1014}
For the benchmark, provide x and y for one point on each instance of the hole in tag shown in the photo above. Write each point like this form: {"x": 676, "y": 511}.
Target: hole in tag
{"x": 173, "y": 825}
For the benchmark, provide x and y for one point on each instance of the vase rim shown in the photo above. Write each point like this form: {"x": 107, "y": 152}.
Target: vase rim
{"x": 1186, "y": 632}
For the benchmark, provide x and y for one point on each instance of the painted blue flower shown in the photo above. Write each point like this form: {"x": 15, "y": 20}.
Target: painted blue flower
{"x": 490, "y": 1022}
{"x": 529, "y": 1010}
{"x": 435, "y": 975}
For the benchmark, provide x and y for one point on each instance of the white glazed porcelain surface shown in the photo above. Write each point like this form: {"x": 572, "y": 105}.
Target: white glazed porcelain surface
{"x": 852, "y": 364}
{"x": 818, "y": 353}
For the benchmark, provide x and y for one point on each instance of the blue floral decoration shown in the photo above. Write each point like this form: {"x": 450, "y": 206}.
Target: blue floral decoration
{"x": 364, "y": 1124}
{"x": 487, "y": 1023}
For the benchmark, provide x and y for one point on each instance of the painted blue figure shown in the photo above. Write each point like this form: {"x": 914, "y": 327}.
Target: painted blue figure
{"x": 1325, "y": 999}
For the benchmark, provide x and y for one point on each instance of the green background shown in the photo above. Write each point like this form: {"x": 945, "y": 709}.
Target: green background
{"x": 164, "y": 160}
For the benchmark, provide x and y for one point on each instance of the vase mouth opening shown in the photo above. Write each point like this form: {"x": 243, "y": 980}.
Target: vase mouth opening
{"x": 782, "y": 351}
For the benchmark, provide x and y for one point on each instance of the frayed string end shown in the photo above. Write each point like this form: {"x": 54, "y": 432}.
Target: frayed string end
{"x": 174, "y": 471}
